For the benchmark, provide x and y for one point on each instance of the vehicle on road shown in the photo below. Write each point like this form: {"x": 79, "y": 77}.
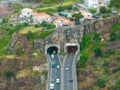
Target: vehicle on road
{"x": 52, "y": 55}
{"x": 66, "y": 69}
{"x": 53, "y": 65}
{"x": 57, "y": 80}
{"x": 58, "y": 66}
{"x": 51, "y": 86}
{"x": 71, "y": 80}
{"x": 54, "y": 52}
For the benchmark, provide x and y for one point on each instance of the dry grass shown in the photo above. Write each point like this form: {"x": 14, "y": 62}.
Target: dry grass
{"x": 30, "y": 28}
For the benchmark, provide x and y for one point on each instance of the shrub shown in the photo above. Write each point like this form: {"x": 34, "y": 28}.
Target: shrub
{"x": 100, "y": 82}
{"x": 60, "y": 8}
{"x": 9, "y": 73}
{"x": 103, "y": 10}
{"x": 98, "y": 52}
{"x": 92, "y": 10}
{"x": 82, "y": 62}
{"x": 105, "y": 63}
{"x": 96, "y": 37}
{"x": 117, "y": 84}
{"x": 110, "y": 51}
{"x": 106, "y": 71}
{"x": 46, "y": 25}
{"x": 113, "y": 36}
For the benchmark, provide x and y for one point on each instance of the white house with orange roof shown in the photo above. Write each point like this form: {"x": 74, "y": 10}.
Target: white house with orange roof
{"x": 40, "y": 17}
{"x": 86, "y": 14}
{"x": 61, "y": 21}
{"x": 26, "y": 13}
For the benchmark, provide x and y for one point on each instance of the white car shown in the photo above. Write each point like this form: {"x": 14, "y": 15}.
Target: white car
{"x": 52, "y": 55}
{"x": 58, "y": 66}
{"x": 66, "y": 69}
{"x": 57, "y": 80}
{"x": 51, "y": 86}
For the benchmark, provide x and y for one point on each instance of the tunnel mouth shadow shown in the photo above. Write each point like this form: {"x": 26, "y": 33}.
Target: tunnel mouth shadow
{"x": 71, "y": 49}
{"x": 52, "y": 50}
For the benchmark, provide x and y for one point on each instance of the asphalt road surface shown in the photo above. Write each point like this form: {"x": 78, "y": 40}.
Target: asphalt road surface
{"x": 55, "y": 72}
{"x": 68, "y": 76}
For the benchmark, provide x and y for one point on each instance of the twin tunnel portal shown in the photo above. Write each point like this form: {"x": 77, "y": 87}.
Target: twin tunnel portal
{"x": 62, "y": 75}
{"x": 68, "y": 49}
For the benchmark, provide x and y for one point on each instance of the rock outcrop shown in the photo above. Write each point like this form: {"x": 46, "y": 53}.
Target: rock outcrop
{"x": 19, "y": 44}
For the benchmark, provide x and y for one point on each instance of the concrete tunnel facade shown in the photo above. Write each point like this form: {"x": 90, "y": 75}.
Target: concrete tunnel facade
{"x": 52, "y": 49}
{"x": 71, "y": 47}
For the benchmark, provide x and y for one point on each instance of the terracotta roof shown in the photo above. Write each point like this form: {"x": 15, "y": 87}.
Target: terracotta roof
{"x": 60, "y": 18}
{"x": 41, "y": 15}
{"x": 68, "y": 23}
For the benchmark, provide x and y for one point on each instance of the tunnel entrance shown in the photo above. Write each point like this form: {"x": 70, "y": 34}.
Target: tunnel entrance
{"x": 72, "y": 49}
{"x": 52, "y": 50}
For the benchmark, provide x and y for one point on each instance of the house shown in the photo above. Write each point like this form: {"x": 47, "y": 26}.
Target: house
{"x": 91, "y": 3}
{"x": 61, "y": 21}
{"x": 40, "y": 17}
{"x": 12, "y": 1}
{"x": 87, "y": 15}
{"x": 65, "y": 14}
{"x": 26, "y": 13}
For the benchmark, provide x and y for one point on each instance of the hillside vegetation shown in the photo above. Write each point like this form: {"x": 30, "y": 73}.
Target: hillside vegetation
{"x": 99, "y": 64}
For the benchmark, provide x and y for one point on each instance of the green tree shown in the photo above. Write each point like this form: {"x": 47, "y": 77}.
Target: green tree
{"x": 103, "y": 10}
{"x": 60, "y": 8}
{"x": 77, "y": 17}
{"x": 108, "y": 10}
{"x": 9, "y": 73}
{"x": 115, "y": 3}
{"x": 92, "y": 10}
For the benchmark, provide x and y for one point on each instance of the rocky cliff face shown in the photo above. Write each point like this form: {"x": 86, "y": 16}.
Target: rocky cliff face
{"x": 19, "y": 44}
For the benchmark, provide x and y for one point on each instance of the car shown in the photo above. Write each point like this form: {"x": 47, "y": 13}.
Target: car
{"x": 58, "y": 66}
{"x": 66, "y": 69}
{"x": 52, "y": 80}
{"x": 53, "y": 65}
{"x": 52, "y": 55}
{"x": 54, "y": 52}
{"x": 51, "y": 86}
{"x": 71, "y": 80}
{"x": 57, "y": 80}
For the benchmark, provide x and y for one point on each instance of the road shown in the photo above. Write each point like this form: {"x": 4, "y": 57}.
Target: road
{"x": 55, "y": 72}
{"x": 68, "y": 74}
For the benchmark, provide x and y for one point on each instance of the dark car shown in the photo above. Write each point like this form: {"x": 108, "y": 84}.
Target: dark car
{"x": 53, "y": 65}
{"x": 71, "y": 80}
